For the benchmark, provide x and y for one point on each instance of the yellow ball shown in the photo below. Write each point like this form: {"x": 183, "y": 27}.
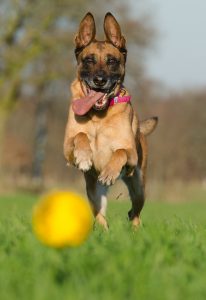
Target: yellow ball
{"x": 62, "y": 219}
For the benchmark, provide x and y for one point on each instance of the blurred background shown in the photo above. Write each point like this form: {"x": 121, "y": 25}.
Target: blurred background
{"x": 166, "y": 75}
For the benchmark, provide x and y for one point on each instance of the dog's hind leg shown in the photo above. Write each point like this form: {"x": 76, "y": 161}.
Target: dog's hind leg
{"x": 136, "y": 191}
{"x": 96, "y": 193}
{"x": 136, "y": 182}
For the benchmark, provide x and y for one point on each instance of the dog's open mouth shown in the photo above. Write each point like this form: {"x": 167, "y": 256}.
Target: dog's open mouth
{"x": 96, "y": 99}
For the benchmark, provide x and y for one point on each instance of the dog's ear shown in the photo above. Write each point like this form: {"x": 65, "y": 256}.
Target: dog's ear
{"x": 113, "y": 31}
{"x": 87, "y": 31}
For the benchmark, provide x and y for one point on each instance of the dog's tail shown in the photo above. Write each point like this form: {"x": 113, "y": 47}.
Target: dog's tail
{"x": 148, "y": 126}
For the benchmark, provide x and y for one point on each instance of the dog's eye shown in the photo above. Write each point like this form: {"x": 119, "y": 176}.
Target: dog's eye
{"x": 88, "y": 60}
{"x": 112, "y": 61}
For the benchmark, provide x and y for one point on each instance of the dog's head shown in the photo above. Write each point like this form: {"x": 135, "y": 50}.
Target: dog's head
{"x": 100, "y": 64}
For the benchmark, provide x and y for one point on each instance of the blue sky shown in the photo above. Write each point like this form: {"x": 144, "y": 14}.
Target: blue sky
{"x": 179, "y": 59}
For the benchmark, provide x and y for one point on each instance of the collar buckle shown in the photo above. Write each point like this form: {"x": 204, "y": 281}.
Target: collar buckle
{"x": 115, "y": 100}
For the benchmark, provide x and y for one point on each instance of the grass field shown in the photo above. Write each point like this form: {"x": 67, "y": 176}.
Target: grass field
{"x": 163, "y": 260}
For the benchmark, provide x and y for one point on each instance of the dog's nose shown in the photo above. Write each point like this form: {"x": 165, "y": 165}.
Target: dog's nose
{"x": 99, "y": 80}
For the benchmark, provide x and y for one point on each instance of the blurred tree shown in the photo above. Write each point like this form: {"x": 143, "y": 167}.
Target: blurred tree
{"x": 35, "y": 38}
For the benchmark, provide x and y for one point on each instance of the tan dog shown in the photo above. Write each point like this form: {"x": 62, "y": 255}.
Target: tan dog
{"x": 103, "y": 136}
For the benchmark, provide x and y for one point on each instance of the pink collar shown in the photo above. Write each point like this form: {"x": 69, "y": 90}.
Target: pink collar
{"x": 119, "y": 99}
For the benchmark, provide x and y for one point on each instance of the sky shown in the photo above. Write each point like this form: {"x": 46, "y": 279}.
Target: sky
{"x": 179, "y": 58}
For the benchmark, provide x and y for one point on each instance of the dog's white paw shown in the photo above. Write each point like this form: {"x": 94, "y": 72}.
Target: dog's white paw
{"x": 83, "y": 159}
{"x": 85, "y": 165}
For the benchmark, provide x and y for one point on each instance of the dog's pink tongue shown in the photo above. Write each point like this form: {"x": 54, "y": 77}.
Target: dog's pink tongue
{"x": 83, "y": 105}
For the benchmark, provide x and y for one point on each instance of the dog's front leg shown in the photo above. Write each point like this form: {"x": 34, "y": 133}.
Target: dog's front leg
{"x": 82, "y": 152}
{"x": 78, "y": 152}
{"x": 118, "y": 160}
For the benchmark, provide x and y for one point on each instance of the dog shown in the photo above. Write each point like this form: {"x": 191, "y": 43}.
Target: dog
{"x": 103, "y": 137}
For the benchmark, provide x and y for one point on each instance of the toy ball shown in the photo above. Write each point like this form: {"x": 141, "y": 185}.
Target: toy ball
{"x": 62, "y": 219}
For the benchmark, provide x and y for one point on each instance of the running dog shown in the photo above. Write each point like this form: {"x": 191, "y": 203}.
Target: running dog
{"x": 103, "y": 136}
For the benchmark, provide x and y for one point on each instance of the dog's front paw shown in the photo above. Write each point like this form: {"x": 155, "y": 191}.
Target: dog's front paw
{"x": 83, "y": 159}
{"x": 108, "y": 176}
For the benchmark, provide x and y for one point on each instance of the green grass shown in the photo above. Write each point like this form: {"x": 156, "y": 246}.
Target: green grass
{"x": 163, "y": 260}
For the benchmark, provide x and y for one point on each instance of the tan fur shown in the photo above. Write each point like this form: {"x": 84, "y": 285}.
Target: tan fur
{"x": 105, "y": 144}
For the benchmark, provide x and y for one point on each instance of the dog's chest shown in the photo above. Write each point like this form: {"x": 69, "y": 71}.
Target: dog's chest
{"x": 105, "y": 137}
{"x": 101, "y": 143}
